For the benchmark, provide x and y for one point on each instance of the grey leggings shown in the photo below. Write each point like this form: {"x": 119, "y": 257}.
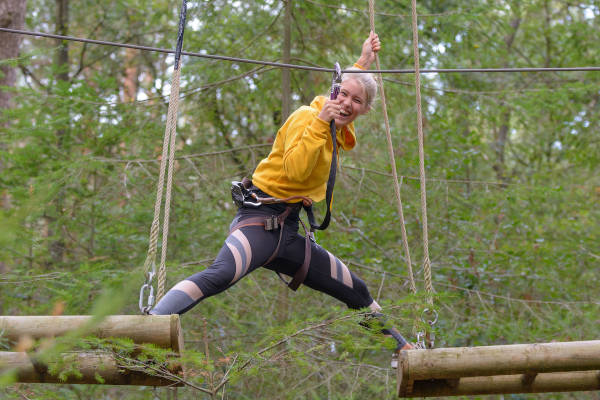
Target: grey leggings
{"x": 249, "y": 247}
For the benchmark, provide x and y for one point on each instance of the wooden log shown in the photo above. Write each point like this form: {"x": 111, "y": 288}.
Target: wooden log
{"x": 460, "y": 362}
{"x": 161, "y": 330}
{"x": 90, "y": 365}
{"x": 504, "y": 384}
{"x": 528, "y": 366}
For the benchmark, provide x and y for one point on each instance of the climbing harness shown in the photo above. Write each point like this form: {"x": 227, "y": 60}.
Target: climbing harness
{"x": 243, "y": 196}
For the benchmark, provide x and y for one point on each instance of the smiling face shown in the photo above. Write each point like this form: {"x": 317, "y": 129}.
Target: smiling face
{"x": 353, "y": 100}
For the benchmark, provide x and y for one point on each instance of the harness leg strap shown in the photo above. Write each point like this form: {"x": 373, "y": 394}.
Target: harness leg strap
{"x": 300, "y": 275}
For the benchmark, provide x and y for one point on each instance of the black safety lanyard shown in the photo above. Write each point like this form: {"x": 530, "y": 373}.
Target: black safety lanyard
{"x": 335, "y": 90}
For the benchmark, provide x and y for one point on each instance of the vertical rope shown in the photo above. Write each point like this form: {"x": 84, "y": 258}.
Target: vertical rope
{"x": 388, "y": 136}
{"x": 426, "y": 262}
{"x": 168, "y": 152}
{"x": 174, "y": 101}
{"x": 168, "y": 146}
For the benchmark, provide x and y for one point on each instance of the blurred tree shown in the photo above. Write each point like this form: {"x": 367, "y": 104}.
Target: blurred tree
{"x": 12, "y": 15}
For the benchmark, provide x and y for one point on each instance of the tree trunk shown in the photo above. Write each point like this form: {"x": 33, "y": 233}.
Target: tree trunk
{"x": 57, "y": 245}
{"x": 215, "y": 115}
{"x": 131, "y": 75}
{"x": 286, "y": 95}
{"x": 62, "y": 54}
{"x": 500, "y": 138}
{"x": 12, "y": 15}
{"x": 501, "y": 134}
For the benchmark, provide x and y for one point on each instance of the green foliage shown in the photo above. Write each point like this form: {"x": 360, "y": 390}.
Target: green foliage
{"x": 512, "y": 161}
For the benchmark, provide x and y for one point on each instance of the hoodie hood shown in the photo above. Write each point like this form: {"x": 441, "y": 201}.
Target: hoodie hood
{"x": 346, "y": 137}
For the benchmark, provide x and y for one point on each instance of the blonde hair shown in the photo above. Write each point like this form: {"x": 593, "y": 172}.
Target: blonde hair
{"x": 366, "y": 80}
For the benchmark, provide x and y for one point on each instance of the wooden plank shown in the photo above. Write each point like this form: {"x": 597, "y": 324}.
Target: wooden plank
{"x": 161, "y": 330}
{"x": 504, "y": 384}
{"x": 460, "y": 362}
{"x": 91, "y": 366}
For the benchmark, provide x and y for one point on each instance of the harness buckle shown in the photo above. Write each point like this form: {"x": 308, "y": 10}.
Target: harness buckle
{"x": 271, "y": 223}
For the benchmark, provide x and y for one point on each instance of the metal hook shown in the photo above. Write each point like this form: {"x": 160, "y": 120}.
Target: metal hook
{"x": 430, "y": 312}
{"x": 146, "y": 309}
{"x": 420, "y": 344}
{"x": 336, "y": 81}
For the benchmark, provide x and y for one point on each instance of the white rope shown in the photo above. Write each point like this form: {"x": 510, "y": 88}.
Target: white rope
{"x": 388, "y": 136}
{"x": 426, "y": 262}
{"x": 168, "y": 153}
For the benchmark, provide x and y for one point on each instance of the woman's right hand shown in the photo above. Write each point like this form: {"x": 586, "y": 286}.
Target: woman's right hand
{"x": 331, "y": 110}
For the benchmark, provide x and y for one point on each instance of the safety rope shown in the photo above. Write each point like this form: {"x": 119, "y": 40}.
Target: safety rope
{"x": 388, "y": 136}
{"x": 426, "y": 262}
{"x": 150, "y": 263}
{"x": 172, "y": 127}
{"x": 424, "y": 338}
{"x": 168, "y": 153}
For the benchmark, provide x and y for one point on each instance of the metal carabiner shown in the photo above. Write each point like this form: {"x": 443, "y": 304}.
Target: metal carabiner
{"x": 420, "y": 344}
{"x": 430, "y": 312}
{"x": 336, "y": 82}
{"x": 430, "y": 335}
{"x": 240, "y": 196}
{"x": 252, "y": 204}
{"x": 146, "y": 309}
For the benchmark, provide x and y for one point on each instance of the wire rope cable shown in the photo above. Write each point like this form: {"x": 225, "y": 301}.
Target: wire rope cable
{"x": 301, "y": 67}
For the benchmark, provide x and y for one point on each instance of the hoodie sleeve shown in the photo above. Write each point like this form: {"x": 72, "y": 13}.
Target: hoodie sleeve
{"x": 305, "y": 136}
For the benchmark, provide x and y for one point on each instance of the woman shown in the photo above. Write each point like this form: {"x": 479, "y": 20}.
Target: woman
{"x": 297, "y": 168}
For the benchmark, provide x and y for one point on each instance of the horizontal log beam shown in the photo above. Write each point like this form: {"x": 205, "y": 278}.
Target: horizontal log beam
{"x": 93, "y": 367}
{"x": 161, "y": 330}
{"x": 504, "y": 384}
{"x": 460, "y": 362}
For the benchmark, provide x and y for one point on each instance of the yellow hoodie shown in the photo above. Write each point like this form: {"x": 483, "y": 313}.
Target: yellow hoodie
{"x": 300, "y": 159}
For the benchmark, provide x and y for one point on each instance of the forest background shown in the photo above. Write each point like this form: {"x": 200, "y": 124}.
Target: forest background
{"x": 512, "y": 162}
